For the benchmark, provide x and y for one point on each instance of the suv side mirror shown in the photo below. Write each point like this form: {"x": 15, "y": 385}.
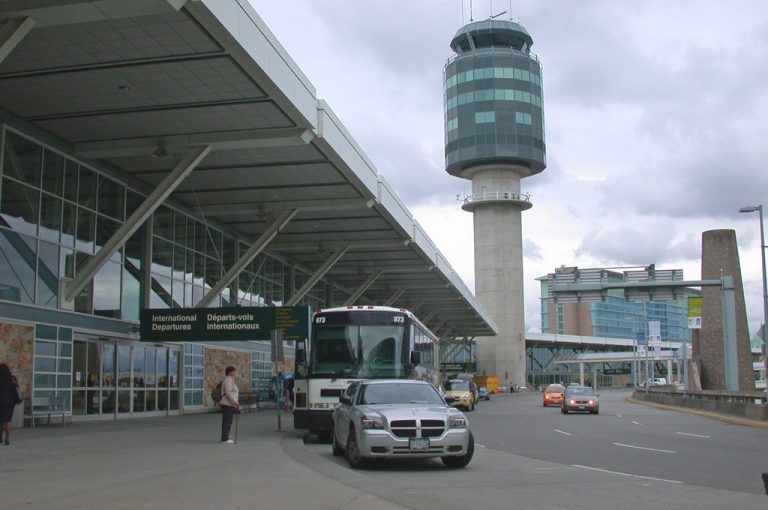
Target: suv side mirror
{"x": 344, "y": 399}
{"x": 415, "y": 357}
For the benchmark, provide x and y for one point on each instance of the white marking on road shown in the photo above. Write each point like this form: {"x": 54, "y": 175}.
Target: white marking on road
{"x": 636, "y": 422}
{"x": 692, "y": 435}
{"x": 563, "y": 433}
{"x": 643, "y": 448}
{"x": 618, "y": 416}
{"x": 626, "y": 474}
{"x": 480, "y": 445}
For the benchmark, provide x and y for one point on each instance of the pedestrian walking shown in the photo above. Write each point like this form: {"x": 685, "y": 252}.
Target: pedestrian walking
{"x": 230, "y": 403}
{"x": 10, "y": 396}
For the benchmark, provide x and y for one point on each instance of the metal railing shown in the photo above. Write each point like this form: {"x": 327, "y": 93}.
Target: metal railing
{"x": 497, "y": 196}
{"x": 497, "y": 51}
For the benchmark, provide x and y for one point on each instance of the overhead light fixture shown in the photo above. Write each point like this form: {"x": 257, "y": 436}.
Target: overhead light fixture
{"x": 160, "y": 151}
{"x": 124, "y": 88}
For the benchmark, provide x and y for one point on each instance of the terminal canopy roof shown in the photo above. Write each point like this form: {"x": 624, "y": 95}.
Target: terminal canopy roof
{"x": 136, "y": 86}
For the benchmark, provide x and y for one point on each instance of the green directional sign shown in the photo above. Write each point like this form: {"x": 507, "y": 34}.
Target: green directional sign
{"x": 458, "y": 367}
{"x": 616, "y": 371}
{"x": 223, "y": 324}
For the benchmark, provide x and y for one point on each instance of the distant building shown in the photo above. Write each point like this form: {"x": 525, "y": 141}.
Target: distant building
{"x": 615, "y": 317}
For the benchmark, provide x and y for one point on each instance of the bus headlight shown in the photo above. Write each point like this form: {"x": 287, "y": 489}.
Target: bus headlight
{"x": 457, "y": 422}
{"x": 371, "y": 422}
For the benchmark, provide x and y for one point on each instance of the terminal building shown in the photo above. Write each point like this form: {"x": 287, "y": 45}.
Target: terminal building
{"x": 170, "y": 154}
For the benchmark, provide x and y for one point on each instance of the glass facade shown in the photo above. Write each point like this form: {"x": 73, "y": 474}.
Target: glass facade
{"x": 57, "y": 212}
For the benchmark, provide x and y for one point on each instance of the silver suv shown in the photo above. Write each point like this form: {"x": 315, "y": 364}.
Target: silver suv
{"x": 399, "y": 419}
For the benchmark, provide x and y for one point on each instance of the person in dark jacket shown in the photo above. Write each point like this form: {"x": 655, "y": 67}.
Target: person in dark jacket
{"x": 8, "y": 401}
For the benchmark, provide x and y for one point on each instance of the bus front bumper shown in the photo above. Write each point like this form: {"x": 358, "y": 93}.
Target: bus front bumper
{"x": 314, "y": 421}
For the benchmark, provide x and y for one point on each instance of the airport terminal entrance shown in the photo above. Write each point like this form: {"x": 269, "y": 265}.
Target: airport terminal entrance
{"x": 120, "y": 379}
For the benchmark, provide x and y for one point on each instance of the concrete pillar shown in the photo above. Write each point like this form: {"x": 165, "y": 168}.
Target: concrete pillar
{"x": 719, "y": 257}
{"x": 670, "y": 373}
{"x": 581, "y": 373}
{"x": 594, "y": 376}
{"x": 499, "y": 271}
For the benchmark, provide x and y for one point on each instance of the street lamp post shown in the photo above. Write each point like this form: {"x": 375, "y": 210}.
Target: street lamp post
{"x": 759, "y": 209}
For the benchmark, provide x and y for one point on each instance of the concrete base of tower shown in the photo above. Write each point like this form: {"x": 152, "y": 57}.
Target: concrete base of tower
{"x": 510, "y": 369}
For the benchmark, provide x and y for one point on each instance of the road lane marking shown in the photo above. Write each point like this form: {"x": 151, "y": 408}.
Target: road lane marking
{"x": 480, "y": 445}
{"x": 692, "y": 435}
{"x": 625, "y": 474}
{"x": 563, "y": 433}
{"x": 618, "y": 416}
{"x": 636, "y": 422}
{"x": 643, "y": 448}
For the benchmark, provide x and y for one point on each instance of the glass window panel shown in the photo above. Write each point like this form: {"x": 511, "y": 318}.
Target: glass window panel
{"x": 65, "y": 365}
{"x": 174, "y": 400}
{"x": 107, "y": 291}
{"x": 108, "y": 402}
{"x": 63, "y": 381}
{"x": 162, "y": 222}
{"x": 138, "y": 401}
{"x": 53, "y": 173}
{"x": 68, "y": 224}
{"x": 178, "y": 294}
{"x": 160, "y": 293}
{"x": 173, "y": 369}
{"x": 67, "y": 263}
{"x": 47, "y": 400}
{"x": 212, "y": 272}
{"x": 70, "y": 181}
{"x": 17, "y": 267}
{"x": 132, "y": 202}
{"x": 45, "y": 332}
{"x": 79, "y": 376}
{"x": 162, "y": 367}
{"x": 23, "y": 159}
{"x": 162, "y": 400}
{"x": 48, "y": 275}
{"x": 197, "y": 398}
{"x": 213, "y": 243}
{"x": 149, "y": 368}
{"x": 86, "y": 192}
{"x": 162, "y": 256}
{"x": 65, "y": 349}
{"x": 180, "y": 229}
{"x": 45, "y": 348}
{"x": 93, "y": 365}
{"x": 123, "y": 366}
{"x": 86, "y": 230}
{"x": 123, "y": 401}
{"x": 105, "y": 228}
{"x": 108, "y": 364}
{"x": 139, "y": 377}
{"x": 19, "y": 207}
{"x": 44, "y": 381}
{"x": 50, "y": 218}
{"x": 179, "y": 262}
{"x": 111, "y": 198}
{"x": 131, "y": 293}
{"x": 151, "y": 401}
{"x": 45, "y": 364}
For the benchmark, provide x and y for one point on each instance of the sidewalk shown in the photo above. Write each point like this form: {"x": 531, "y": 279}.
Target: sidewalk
{"x": 163, "y": 463}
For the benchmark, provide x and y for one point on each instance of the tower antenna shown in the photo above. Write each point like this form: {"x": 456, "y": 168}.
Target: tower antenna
{"x": 462, "y": 12}
{"x": 471, "y": 14}
{"x": 510, "y": 10}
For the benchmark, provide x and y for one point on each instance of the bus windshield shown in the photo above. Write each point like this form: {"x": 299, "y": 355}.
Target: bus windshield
{"x": 359, "y": 351}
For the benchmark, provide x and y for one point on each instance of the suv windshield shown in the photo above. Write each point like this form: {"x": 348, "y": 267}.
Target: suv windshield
{"x": 399, "y": 393}
{"x": 457, "y": 385}
{"x": 358, "y": 351}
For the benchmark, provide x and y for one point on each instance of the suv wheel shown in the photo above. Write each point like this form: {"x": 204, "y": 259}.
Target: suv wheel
{"x": 462, "y": 461}
{"x": 354, "y": 456}
{"x": 338, "y": 451}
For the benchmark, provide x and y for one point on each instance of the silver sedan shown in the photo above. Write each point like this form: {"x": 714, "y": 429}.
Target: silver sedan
{"x": 399, "y": 419}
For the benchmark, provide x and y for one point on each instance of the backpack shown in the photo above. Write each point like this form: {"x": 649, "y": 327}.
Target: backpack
{"x": 217, "y": 392}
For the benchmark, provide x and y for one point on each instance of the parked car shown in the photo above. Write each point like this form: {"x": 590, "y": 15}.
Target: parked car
{"x": 483, "y": 393}
{"x": 399, "y": 419}
{"x": 657, "y": 381}
{"x": 580, "y": 399}
{"x": 553, "y": 395}
{"x": 462, "y": 393}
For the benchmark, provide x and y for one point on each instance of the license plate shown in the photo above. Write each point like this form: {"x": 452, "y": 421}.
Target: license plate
{"x": 418, "y": 444}
{"x": 581, "y": 407}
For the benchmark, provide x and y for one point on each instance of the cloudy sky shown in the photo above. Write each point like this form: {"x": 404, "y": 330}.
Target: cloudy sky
{"x": 656, "y": 121}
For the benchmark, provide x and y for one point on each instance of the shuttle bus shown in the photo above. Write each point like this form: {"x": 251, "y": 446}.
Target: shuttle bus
{"x": 357, "y": 342}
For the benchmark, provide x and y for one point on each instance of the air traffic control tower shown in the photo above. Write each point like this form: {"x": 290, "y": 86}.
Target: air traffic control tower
{"x": 494, "y": 136}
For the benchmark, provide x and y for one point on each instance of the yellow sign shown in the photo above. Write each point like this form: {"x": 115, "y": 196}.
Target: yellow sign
{"x": 695, "y": 304}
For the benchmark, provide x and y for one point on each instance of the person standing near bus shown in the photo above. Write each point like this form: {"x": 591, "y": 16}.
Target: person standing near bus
{"x": 230, "y": 403}
{"x": 9, "y": 398}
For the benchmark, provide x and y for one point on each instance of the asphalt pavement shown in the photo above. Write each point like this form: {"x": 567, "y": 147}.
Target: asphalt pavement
{"x": 530, "y": 457}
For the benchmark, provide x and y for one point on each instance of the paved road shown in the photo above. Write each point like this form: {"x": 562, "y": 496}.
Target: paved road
{"x": 628, "y": 438}
{"x": 630, "y": 456}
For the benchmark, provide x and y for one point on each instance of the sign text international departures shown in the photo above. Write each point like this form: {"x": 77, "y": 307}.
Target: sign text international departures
{"x": 222, "y": 324}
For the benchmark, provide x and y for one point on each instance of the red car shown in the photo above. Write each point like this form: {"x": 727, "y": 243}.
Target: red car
{"x": 553, "y": 395}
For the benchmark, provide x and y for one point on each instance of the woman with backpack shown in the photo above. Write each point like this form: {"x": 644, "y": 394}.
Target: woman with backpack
{"x": 230, "y": 403}
{"x": 10, "y": 396}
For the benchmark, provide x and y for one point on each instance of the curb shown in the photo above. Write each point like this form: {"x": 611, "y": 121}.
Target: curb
{"x": 733, "y": 420}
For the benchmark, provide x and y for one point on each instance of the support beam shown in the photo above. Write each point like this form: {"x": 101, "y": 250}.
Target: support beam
{"x": 264, "y": 208}
{"x": 415, "y": 308}
{"x": 429, "y": 316}
{"x": 317, "y": 276}
{"x": 227, "y": 140}
{"x": 397, "y": 295}
{"x": 11, "y": 34}
{"x": 249, "y": 255}
{"x": 132, "y": 224}
{"x": 365, "y": 286}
